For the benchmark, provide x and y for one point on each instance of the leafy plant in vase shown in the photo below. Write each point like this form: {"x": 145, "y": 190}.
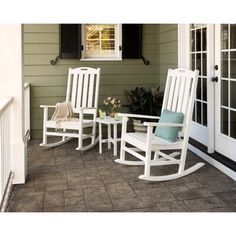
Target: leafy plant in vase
{"x": 144, "y": 102}
{"x": 111, "y": 105}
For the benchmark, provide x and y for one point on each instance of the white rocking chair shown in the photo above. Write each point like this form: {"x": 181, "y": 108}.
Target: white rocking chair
{"x": 82, "y": 93}
{"x": 179, "y": 96}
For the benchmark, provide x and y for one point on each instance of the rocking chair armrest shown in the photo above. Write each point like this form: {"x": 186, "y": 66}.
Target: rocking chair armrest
{"x": 47, "y": 106}
{"x": 82, "y": 109}
{"x": 138, "y": 116}
{"x": 153, "y": 124}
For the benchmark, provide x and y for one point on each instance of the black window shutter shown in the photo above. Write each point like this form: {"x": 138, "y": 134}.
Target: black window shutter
{"x": 70, "y": 41}
{"x": 131, "y": 41}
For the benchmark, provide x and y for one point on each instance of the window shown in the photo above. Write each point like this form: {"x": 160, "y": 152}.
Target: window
{"x": 101, "y": 41}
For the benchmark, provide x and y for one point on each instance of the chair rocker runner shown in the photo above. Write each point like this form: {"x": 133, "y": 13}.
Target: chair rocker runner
{"x": 82, "y": 93}
{"x": 180, "y": 92}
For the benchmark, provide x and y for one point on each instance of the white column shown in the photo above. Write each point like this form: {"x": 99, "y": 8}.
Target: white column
{"x": 183, "y": 46}
{"x": 11, "y": 84}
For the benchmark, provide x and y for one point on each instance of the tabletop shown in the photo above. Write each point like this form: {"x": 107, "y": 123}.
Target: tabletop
{"x": 109, "y": 120}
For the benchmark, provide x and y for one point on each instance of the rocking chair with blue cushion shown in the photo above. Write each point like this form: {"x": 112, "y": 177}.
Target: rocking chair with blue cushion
{"x": 80, "y": 110}
{"x": 171, "y": 133}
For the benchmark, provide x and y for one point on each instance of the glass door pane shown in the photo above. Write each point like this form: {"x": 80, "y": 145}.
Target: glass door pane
{"x": 198, "y": 57}
{"x": 228, "y": 80}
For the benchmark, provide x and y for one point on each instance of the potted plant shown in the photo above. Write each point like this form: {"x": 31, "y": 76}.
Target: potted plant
{"x": 144, "y": 102}
{"x": 111, "y": 104}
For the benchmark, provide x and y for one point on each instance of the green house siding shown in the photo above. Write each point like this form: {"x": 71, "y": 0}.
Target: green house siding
{"x": 48, "y": 82}
{"x": 168, "y": 50}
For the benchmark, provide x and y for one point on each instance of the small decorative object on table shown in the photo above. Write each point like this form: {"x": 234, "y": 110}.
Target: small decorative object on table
{"x": 111, "y": 105}
{"x": 117, "y": 117}
{"x": 102, "y": 114}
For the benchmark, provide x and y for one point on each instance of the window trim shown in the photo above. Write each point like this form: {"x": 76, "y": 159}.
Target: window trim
{"x": 118, "y": 44}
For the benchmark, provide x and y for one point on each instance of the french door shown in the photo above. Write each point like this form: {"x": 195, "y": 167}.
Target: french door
{"x": 212, "y": 50}
{"x": 201, "y": 46}
{"x": 225, "y": 90}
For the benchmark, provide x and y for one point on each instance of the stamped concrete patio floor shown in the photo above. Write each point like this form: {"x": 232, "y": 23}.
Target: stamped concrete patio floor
{"x": 62, "y": 179}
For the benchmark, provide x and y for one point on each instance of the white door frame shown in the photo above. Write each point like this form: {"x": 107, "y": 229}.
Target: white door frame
{"x": 205, "y": 135}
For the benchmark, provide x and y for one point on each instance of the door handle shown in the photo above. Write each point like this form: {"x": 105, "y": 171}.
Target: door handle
{"x": 214, "y": 79}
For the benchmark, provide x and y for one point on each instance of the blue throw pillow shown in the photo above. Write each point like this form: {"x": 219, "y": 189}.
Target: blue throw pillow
{"x": 169, "y": 133}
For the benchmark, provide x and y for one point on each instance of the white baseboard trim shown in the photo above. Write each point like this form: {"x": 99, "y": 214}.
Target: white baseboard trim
{"x": 218, "y": 165}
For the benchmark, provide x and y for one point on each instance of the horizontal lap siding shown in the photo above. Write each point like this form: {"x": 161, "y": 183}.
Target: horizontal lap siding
{"x": 48, "y": 83}
{"x": 168, "y": 49}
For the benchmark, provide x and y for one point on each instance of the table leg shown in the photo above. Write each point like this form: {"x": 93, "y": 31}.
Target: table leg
{"x": 115, "y": 139}
{"x": 100, "y": 138}
{"x": 109, "y": 136}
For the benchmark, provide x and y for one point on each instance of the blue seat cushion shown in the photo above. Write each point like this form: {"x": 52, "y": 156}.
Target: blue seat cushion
{"x": 169, "y": 133}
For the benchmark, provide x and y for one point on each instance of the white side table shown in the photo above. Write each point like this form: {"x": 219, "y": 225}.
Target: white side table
{"x": 109, "y": 121}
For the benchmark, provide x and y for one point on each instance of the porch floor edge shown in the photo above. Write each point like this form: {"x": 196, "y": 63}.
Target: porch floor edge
{"x": 207, "y": 157}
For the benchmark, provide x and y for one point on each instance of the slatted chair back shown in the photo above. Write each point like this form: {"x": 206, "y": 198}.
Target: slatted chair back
{"x": 180, "y": 93}
{"x": 82, "y": 89}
